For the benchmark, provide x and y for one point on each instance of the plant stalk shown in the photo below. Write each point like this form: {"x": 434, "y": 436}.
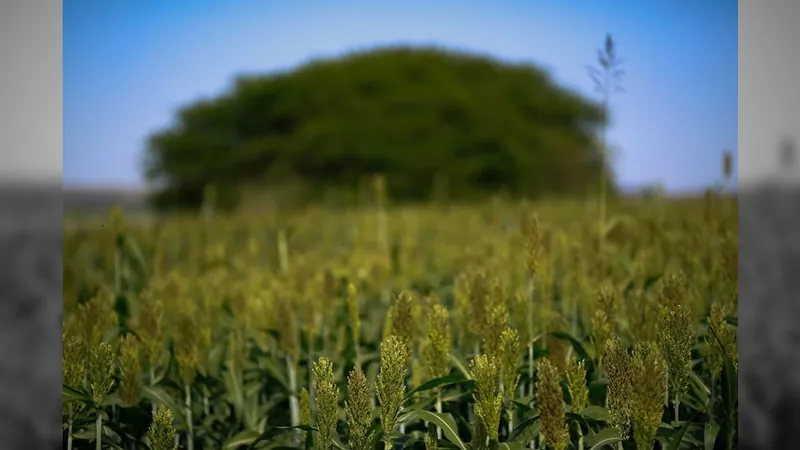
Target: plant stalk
{"x": 99, "y": 431}
{"x": 189, "y": 428}
{"x": 69, "y": 427}
{"x": 438, "y": 410}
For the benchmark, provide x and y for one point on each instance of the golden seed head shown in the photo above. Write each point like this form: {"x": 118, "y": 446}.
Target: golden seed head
{"x": 576, "y": 382}
{"x": 131, "y": 369}
{"x": 305, "y": 407}
{"x": 533, "y": 241}
{"x": 391, "y": 383}
{"x": 649, "y": 388}
{"x": 117, "y": 219}
{"x": 96, "y": 318}
{"x": 601, "y": 332}
{"x": 551, "y": 405}
{"x": 148, "y": 325}
{"x": 722, "y": 340}
{"x": 673, "y": 289}
{"x": 488, "y": 397}
{"x": 618, "y": 370}
{"x": 436, "y": 353}
{"x": 327, "y": 399}
{"x": 353, "y": 313}
{"x": 557, "y": 348}
{"x": 187, "y": 354}
{"x": 402, "y": 318}
{"x": 288, "y": 332}
{"x": 161, "y": 434}
{"x": 676, "y": 338}
{"x": 497, "y": 318}
{"x": 101, "y": 371}
{"x": 607, "y": 300}
{"x": 510, "y": 361}
{"x": 359, "y": 409}
{"x": 72, "y": 358}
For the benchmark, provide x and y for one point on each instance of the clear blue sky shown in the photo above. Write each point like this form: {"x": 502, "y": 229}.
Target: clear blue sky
{"x": 128, "y": 64}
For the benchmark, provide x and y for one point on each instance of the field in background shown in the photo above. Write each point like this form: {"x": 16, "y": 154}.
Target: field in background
{"x": 468, "y": 320}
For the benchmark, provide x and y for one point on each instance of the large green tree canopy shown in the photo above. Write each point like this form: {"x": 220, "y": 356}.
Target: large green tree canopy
{"x": 412, "y": 114}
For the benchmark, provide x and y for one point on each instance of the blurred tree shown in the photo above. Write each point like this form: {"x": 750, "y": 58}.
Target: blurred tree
{"x": 417, "y": 115}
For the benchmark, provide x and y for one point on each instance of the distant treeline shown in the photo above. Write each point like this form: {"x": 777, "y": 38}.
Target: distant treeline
{"x": 434, "y": 122}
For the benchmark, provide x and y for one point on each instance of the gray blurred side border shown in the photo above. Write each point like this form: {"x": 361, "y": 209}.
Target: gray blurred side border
{"x": 30, "y": 223}
{"x": 769, "y": 224}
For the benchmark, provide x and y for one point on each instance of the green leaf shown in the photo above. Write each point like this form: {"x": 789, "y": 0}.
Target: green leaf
{"x": 160, "y": 397}
{"x": 531, "y": 423}
{"x": 76, "y": 395}
{"x": 710, "y": 435}
{"x": 243, "y": 438}
{"x": 579, "y": 419}
{"x": 677, "y": 436}
{"x": 448, "y": 380}
{"x": 446, "y": 422}
{"x": 730, "y": 403}
{"x": 337, "y": 442}
{"x": 460, "y": 366}
{"x": 507, "y": 446}
{"x": 272, "y": 432}
{"x": 596, "y": 413}
{"x": 577, "y": 346}
{"x": 606, "y": 436}
{"x": 276, "y": 372}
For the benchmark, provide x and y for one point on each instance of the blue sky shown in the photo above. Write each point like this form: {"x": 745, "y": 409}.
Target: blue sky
{"x": 129, "y": 64}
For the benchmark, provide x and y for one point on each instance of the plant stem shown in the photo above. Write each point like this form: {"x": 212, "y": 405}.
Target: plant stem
{"x": 190, "y": 430}
{"x": 294, "y": 402}
{"x": 530, "y": 368}
{"x": 438, "y": 410}
{"x": 283, "y": 251}
{"x": 677, "y": 411}
{"x": 69, "y": 427}
{"x": 99, "y": 431}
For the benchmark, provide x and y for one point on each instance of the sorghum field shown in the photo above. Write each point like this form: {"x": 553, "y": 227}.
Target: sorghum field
{"x": 500, "y": 325}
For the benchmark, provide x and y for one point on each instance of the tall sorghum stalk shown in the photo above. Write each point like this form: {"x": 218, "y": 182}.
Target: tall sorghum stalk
{"x": 676, "y": 338}
{"x": 101, "y": 375}
{"x": 488, "y": 396}
{"x": 327, "y": 400}
{"x": 381, "y": 214}
{"x": 305, "y": 410}
{"x": 148, "y": 326}
{"x": 607, "y": 80}
{"x": 353, "y": 314}
{"x": 436, "y": 353}
{"x": 288, "y": 335}
{"x": 391, "y": 383}
{"x": 722, "y": 344}
{"x": 578, "y": 390}
{"x": 358, "y": 408}
{"x": 117, "y": 228}
{"x": 161, "y": 434}
{"x": 603, "y": 322}
{"x": 509, "y": 370}
{"x": 649, "y": 387}
{"x": 404, "y": 327}
{"x": 131, "y": 369}
{"x": 619, "y": 397}
{"x": 283, "y": 251}
{"x": 74, "y": 371}
{"x": 551, "y": 406}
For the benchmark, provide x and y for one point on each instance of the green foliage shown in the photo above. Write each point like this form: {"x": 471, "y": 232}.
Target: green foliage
{"x": 421, "y": 116}
{"x": 218, "y": 351}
